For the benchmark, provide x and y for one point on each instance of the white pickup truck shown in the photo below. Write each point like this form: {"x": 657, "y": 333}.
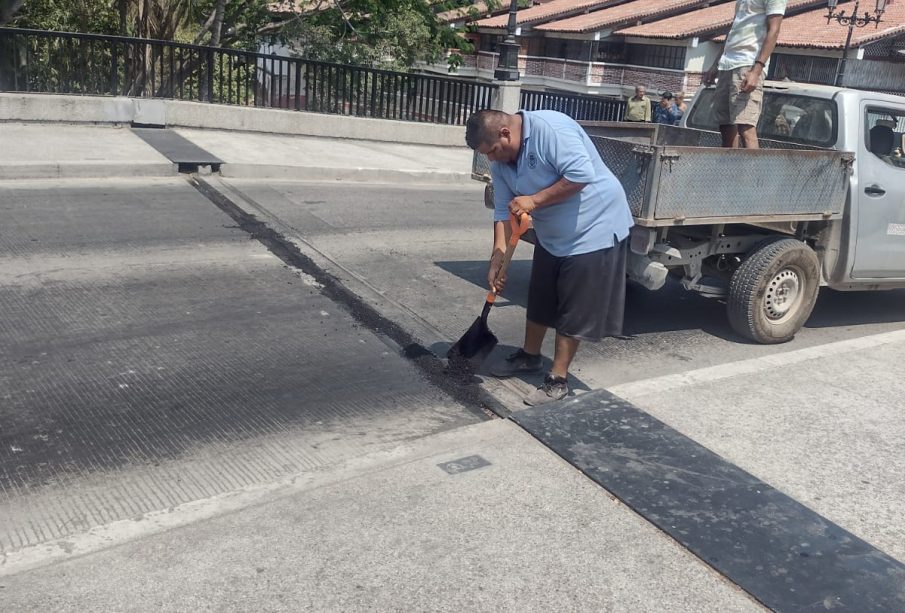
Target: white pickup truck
{"x": 822, "y": 204}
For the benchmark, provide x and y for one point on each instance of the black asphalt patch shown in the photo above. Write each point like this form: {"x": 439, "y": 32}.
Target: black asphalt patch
{"x": 782, "y": 553}
{"x": 460, "y": 384}
{"x": 178, "y": 149}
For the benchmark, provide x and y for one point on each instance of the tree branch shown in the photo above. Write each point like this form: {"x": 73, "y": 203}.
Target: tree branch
{"x": 204, "y": 29}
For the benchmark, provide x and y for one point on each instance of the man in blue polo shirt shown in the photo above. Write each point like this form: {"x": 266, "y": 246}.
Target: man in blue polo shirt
{"x": 544, "y": 164}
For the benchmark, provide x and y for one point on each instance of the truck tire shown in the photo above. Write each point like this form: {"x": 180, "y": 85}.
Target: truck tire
{"x": 773, "y": 292}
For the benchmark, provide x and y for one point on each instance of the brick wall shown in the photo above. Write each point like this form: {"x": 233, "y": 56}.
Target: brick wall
{"x": 693, "y": 81}
{"x": 655, "y": 80}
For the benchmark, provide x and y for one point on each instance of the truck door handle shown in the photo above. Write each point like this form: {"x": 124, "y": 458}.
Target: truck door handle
{"x": 874, "y": 190}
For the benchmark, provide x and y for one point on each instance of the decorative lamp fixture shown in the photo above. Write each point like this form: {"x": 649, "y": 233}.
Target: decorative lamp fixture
{"x": 854, "y": 19}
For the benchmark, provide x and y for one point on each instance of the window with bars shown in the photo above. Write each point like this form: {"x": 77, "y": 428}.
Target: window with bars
{"x": 568, "y": 49}
{"x": 611, "y": 52}
{"x": 803, "y": 68}
{"x": 656, "y": 56}
{"x": 489, "y": 42}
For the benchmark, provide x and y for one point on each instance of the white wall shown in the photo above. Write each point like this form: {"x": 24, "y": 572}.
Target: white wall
{"x": 700, "y": 57}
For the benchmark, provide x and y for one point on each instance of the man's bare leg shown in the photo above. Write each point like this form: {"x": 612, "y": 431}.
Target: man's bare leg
{"x": 563, "y": 354}
{"x": 748, "y": 135}
{"x": 534, "y": 337}
{"x": 730, "y": 136}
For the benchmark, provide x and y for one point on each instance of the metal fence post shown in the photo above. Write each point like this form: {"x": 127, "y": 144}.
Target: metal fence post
{"x": 298, "y": 85}
{"x": 210, "y": 75}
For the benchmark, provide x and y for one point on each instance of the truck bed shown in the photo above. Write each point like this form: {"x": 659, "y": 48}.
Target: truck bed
{"x": 679, "y": 176}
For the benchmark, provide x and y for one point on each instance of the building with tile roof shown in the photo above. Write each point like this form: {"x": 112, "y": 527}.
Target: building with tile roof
{"x": 542, "y": 13}
{"x": 607, "y": 47}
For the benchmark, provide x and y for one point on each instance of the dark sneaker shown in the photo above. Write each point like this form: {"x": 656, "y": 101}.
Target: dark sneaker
{"x": 554, "y": 388}
{"x": 516, "y": 364}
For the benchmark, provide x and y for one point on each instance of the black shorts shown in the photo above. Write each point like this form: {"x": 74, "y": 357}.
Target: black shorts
{"x": 581, "y": 296}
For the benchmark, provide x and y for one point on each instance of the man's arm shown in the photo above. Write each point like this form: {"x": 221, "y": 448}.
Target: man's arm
{"x": 750, "y": 78}
{"x": 501, "y": 232}
{"x": 560, "y": 191}
{"x": 709, "y": 77}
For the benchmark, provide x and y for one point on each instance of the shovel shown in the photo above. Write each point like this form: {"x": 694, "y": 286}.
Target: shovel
{"x": 477, "y": 343}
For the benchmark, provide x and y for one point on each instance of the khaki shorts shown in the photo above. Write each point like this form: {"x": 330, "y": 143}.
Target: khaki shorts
{"x": 732, "y": 107}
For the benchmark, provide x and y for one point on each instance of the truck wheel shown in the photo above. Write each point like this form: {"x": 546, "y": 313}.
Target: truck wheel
{"x": 773, "y": 292}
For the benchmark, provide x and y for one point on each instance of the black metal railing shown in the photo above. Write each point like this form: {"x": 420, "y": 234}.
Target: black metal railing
{"x": 92, "y": 64}
{"x": 577, "y": 106}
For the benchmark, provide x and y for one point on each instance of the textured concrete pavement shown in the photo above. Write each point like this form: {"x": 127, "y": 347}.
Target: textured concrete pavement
{"x": 525, "y": 533}
{"x": 222, "y": 482}
{"x": 153, "y": 355}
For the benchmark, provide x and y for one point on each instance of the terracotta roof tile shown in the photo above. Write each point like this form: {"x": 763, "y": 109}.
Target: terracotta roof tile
{"x": 621, "y": 15}
{"x": 462, "y": 12}
{"x": 701, "y": 22}
{"x": 811, "y": 31}
{"x": 546, "y": 12}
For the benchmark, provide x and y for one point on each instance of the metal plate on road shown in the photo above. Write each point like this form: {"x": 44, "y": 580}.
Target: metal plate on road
{"x": 784, "y": 554}
{"x": 176, "y": 147}
{"x": 463, "y": 465}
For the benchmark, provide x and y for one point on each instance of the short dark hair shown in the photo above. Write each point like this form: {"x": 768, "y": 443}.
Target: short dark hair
{"x": 667, "y": 95}
{"x": 482, "y": 127}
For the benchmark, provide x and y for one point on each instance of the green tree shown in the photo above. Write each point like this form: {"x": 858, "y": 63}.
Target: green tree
{"x": 391, "y": 34}
{"x": 388, "y": 33}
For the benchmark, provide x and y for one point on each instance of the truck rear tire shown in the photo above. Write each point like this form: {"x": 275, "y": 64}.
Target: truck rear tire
{"x": 773, "y": 292}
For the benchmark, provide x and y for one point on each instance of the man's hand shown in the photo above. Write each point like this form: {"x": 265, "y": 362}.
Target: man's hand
{"x": 709, "y": 77}
{"x": 522, "y": 205}
{"x": 496, "y": 262}
{"x": 750, "y": 79}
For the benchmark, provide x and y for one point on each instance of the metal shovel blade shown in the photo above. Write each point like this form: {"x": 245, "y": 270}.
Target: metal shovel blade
{"x": 475, "y": 345}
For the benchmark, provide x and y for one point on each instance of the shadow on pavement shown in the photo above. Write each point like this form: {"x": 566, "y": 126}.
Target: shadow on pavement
{"x": 667, "y": 310}
{"x": 836, "y": 309}
{"x": 673, "y": 308}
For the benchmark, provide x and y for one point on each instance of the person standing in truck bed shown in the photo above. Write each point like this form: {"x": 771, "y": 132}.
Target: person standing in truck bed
{"x": 739, "y": 70}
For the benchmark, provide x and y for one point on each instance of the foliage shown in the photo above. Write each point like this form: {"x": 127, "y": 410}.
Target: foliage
{"x": 392, "y": 34}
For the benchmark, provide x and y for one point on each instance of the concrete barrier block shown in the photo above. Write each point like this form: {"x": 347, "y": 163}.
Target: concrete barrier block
{"x": 276, "y": 121}
{"x": 149, "y": 112}
{"x": 176, "y": 113}
{"x": 70, "y": 109}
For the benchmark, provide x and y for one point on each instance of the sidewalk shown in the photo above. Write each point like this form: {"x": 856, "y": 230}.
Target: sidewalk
{"x": 526, "y": 531}
{"x": 47, "y": 151}
{"x": 396, "y": 533}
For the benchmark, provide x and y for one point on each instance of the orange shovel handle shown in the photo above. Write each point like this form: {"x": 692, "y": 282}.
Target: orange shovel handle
{"x": 519, "y": 226}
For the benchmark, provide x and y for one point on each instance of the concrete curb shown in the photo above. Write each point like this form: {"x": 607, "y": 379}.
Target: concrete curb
{"x": 119, "y": 170}
{"x": 353, "y": 175}
{"x": 176, "y": 113}
{"x": 83, "y": 170}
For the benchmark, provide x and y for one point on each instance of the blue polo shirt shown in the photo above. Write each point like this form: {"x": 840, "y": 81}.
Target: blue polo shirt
{"x": 554, "y": 147}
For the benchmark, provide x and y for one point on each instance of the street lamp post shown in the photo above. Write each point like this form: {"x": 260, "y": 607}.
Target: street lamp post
{"x": 507, "y": 68}
{"x": 852, "y": 21}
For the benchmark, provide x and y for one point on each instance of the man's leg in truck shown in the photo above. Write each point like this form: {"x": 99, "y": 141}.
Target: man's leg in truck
{"x": 748, "y": 136}
{"x": 730, "y": 136}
